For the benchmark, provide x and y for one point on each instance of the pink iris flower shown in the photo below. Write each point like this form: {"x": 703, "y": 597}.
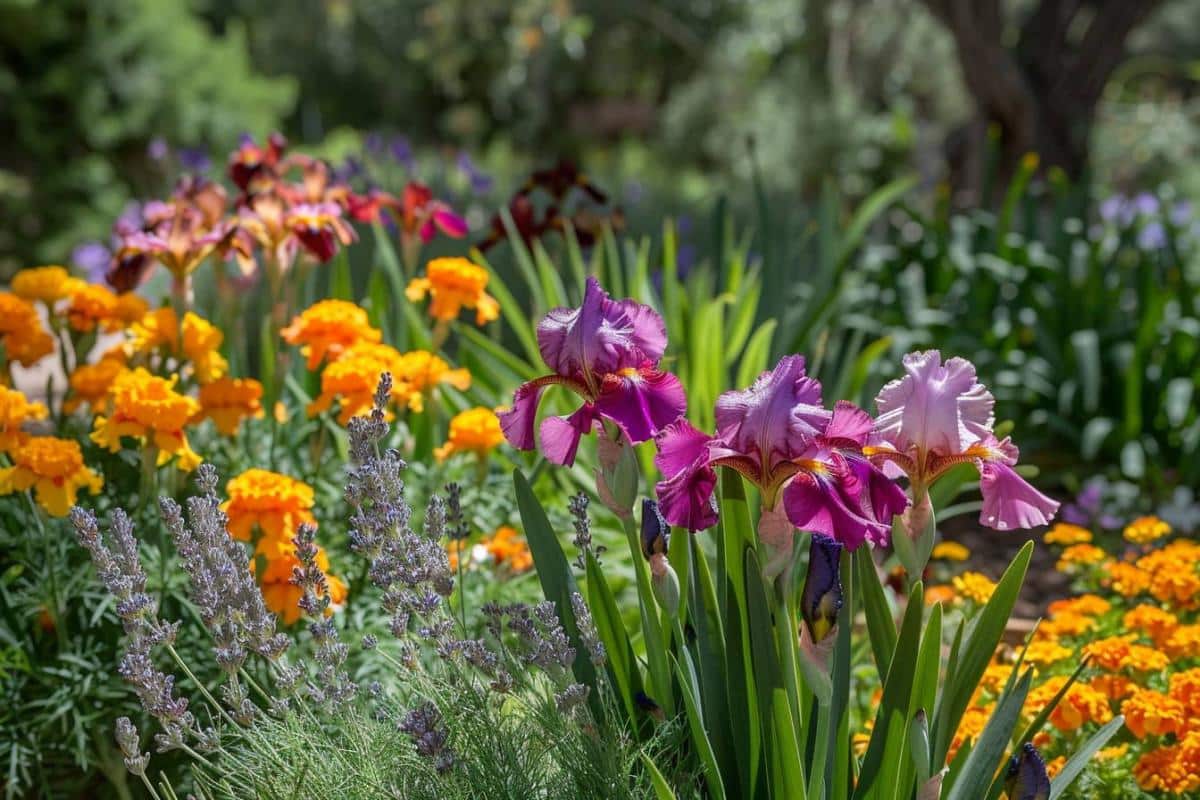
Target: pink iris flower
{"x": 606, "y": 351}
{"x": 938, "y": 415}
{"x": 779, "y": 436}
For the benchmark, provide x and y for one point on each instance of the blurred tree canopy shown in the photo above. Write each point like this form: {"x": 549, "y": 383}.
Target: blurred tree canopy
{"x": 676, "y": 93}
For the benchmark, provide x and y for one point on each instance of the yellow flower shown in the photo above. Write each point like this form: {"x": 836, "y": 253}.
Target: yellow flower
{"x": 1064, "y": 533}
{"x": 974, "y": 586}
{"x": 476, "y": 430}
{"x": 1045, "y": 653}
{"x": 130, "y": 308}
{"x": 1088, "y": 605}
{"x": 1080, "y": 554}
{"x": 90, "y": 382}
{"x": 45, "y": 284}
{"x": 228, "y": 401}
{"x": 1156, "y": 622}
{"x": 1145, "y": 659}
{"x": 1126, "y": 579}
{"x": 1114, "y": 687}
{"x": 1144, "y": 530}
{"x": 275, "y": 504}
{"x": 352, "y": 379}
{"x": 147, "y": 407}
{"x": 1080, "y": 705}
{"x": 199, "y": 344}
{"x": 1055, "y": 765}
{"x": 1184, "y": 642}
{"x": 455, "y": 284}
{"x": 419, "y": 372}
{"x": 21, "y": 333}
{"x": 1150, "y": 713}
{"x": 950, "y": 551}
{"x": 54, "y": 469}
{"x": 1174, "y": 769}
{"x": 1109, "y": 653}
{"x": 327, "y": 329}
{"x": 15, "y": 411}
{"x": 1112, "y": 753}
{"x": 92, "y": 305}
{"x": 1065, "y": 624}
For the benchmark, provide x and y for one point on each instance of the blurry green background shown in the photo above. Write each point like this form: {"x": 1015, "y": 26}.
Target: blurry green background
{"x": 669, "y": 103}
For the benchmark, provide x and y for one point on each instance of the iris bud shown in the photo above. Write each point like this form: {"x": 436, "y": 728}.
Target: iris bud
{"x": 1027, "y": 778}
{"x": 617, "y": 475}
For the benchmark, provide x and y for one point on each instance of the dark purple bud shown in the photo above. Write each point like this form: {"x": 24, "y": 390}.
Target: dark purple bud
{"x": 822, "y": 597}
{"x": 655, "y": 530}
{"x": 1027, "y": 778}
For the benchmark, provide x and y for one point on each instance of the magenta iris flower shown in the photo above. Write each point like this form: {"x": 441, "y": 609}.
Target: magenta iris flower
{"x": 779, "y": 436}
{"x": 939, "y": 415}
{"x": 606, "y": 351}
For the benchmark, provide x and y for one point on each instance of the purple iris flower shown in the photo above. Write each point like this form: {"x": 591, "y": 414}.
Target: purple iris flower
{"x": 1113, "y": 210}
{"x": 1027, "y": 778}
{"x": 1152, "y": 236}
{"x": 481, "y": 182}
{"x": 1145, "y": 204}
{"x": 939, "y": 415}
{"x": 93, "y": 259}
{"x": 402, "y": 152}
{"x": 779, "y": 436}
{"x": 195, "y": 159}
{"x": 821, "y": 599}
{"x": 158, "y": 149}
{"x": 606, "y": 351}
{"x": 1181, "y": 213}
{"x": 374, "y": 145}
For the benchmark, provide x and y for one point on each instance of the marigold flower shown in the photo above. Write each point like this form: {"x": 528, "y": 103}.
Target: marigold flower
{"x": 974, "y": 586}
{"x": 227, "y": 401}
{"x": 973, "y": 721}
{"x": 1185, "y": 687}
{"x": 1054, "y": 766}
{"x": 1109, "y": 653}
{"x": 455, "y": 284}
{"x": 92, "y": 305}
{"x": 1088, "y": 605}
{"x": 1167, "y": 769}
{"x": 476, "y": 430}
{"x": 1065, "y": 624}
{"x": 1047, "y": 652}
{"x": 1080, "y": 705}
{"x": 276, "y": 504}
{"x": 419, "y": 372}
{"x": 950, "y": 551}
{"x": 1184, "y": 642}
{"x": 1127, "y": 579}
{"x": 940, "y": 594}
{"x": 1144, "y": 530}
{"x": 1156, "y": 622}
{"x": 1150, "y": 713}
{"x": 352, "y": 379}
{"x": 1080, "y": 555}
{"x": 1064, "y": 533}
{"x": 1145, "y": 659}
{"x": 1112, "y": 753}
{"x": 46, "y": 284}
{"x": 327, "y": 329}
{"x": 21, "y": 333}
{"x": 995, "y": 677}
{"x": 1114, "y": 687}
{"x": 15, "y": 411}
{"x": 54, "y": 469}
{"x": 90, "y": 382}
{"x": 196, "y": 341}
{"x": 130, "y": 308}
{"x": 147, "y": 407}
{"x": 509, "y": 549}
{"x": 279, "y": 593}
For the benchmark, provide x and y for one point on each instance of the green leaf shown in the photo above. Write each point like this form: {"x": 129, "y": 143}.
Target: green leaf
{"x": 696, "y": 725}
{"x": 976, "y": 775}
{"x": 622, "y": 662}
{"x": 868, "y": 211}
{"x": 758, "y": 351}
{"x": 881, "y": 628}
{"x": 341, "y": 285}
{"x": 662, "y": 790}
{"x": 1082, "y": 756}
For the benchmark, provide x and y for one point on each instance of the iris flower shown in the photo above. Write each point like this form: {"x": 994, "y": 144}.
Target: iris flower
{"x": 938, "y": 415}
{"x": 807, "y": 461}
{"x": 606, "y": 351}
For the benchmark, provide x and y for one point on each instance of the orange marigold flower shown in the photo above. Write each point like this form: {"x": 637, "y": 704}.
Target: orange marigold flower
{"x": 1112, "y": 753}
{"x": 1086, "y": 605}
{"x": 1055, "y": 765}
{"x": 54, "y": 469}
{"x": 1184, "y": 642}
{"x": 1080, "y": 705}
{"x": 969, "y": 727}
{"x": 15, "y": 411}
{"x": 419, "y": 373}
{"x": 327, "y": 329}
{"x": 1047, "y": 652}
{"x": 1065, "y": 534}
{"x": 950, "y": 551}
{"x": 455, "y": 284}
{"x": 1126, "y": 579}
{"x": 147, "y": 407}
{"x": 1144, "y": 530}
{"x": 92, "y": 305}
{"x": 1080, "y": 555}
{"x": 276, "y": 504}
{"x": 1114, "y": 687}
{"x": 1065, "y": 624}
{"x": 196, "y": 341}
{"x": 1185, "y": 687}
{"x": 994, "y": 677}
{"x": 46, "y": 284}
{"x": 476, "y": 430}
{"x": 1168, "y": 769}
{"x": 279, "y": 593}
{"x": 974, "y": 586}
{"x": 1150, "y": 713}
{"x": 1145, "y": 659}
{"x": 1156, "y": 622}
{"x": 1110, "y": 653}
{"x": 509, "y": 549}
{"x": 227, "y": 401}
{"x": 940, "y": 594}
{"x": 1177, "y": 587}
{"x": 90, "y": 382}
{"x": 352, "y": 379}
{"x": 130, "y": 308}
{"x": 21, "y": 333}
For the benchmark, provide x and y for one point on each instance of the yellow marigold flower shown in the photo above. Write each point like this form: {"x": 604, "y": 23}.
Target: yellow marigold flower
{"x": 1127, "y": 579}
{"x": 1156, "y": 622}
{"x": 15, "y": 411}
{"x": 1065, "y": 534}
{"x": 1109, "y": 653}
{"x": 54, "y": 469}
{"x": 92, "y": 305}
{"x": 196, "y": 340}
{"x": 1169, "y": 769}
{"x": 352, "y": 379}
{"x": 275, "y": 504}
{"x": 1185, "y": 687}
{"x": 1080, "y": 705}
{"x": 1065, "y": 624}
{"x": 1150, "y": 713}
{"x": 1080, "y": 554}
{"x": 973, "y": 721}
{"x": 476, "y": 430}
{"x": 147, "y": 407}
{"x": 974, "y": 586}
{"x": 1086, "y": 605}
{"x": 1114, "y": 687}
{"x": 509, "y": 549}
{"x": 1112, "y": 753}
{"x": 950, "y": 551}
{"x": 1046, "y": 652}
{"x": 46, "y": 284}
{"x": 1055, "y": 765}
{"x": 21, "y": 333}
{"x": 227, "y": 401}
{"x": 1145, "y": 659}
{"x": 1184, "y": 642}
{"x": 420, "y": 372}
{"x": 1144, "y": 530}
{"x": 1176, "y": 587}
{"x": 455, "y": 284}
{"x": 130, "y": 308}
{"x": 940, "y": 594}
{"x": 279, "y": 594}
{"x": 327, "y": 329}
{"x": 90, "y": 382}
